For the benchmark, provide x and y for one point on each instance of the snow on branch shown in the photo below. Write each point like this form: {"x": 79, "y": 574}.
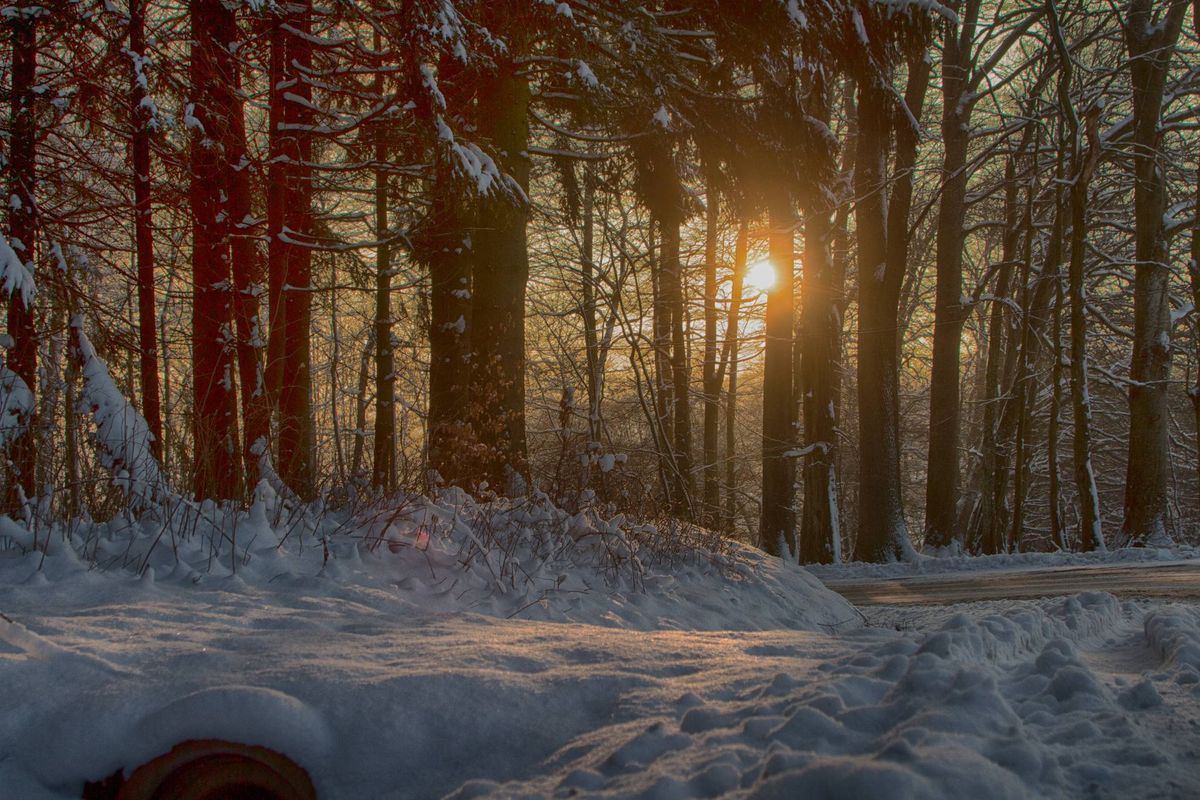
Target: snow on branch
{"x": 16, "y": 406}
{"x": 122, "y": 436}
{"x": 927, "y": 6}
{"x": 15, "y": 275}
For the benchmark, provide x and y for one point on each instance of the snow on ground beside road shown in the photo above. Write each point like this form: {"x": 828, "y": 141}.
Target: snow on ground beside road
{"x": 524, "y": 559}
{"x": 928, "y": 565}
{"x": 708, "y": 675}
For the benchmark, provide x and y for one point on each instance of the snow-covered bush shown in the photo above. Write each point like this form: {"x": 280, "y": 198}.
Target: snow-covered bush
{"x": 122, "y": 437}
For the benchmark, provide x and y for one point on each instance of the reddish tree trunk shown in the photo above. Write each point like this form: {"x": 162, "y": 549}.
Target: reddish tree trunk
{"x": 22, "y": 356}
{"x": 214, "y": 415}
{"x": 289, "y": 224}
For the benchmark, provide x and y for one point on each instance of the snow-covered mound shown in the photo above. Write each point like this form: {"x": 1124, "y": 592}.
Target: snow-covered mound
{"x": 506, "y": 558}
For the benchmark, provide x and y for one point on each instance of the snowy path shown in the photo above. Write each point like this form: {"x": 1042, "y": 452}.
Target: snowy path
{"x": 1175, "y": 581}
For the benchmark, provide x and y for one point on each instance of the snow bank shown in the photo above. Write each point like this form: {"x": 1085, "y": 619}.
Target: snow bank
{"x": 507, "y": 559}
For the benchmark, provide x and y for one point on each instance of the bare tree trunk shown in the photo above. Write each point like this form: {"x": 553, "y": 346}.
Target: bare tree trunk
{"x": 1024, "y": 383}
{"x": 23, "y": 228}
{"x": 591, "y": 325}
{"x": 949, "y": 314}
{"x": 1194, "y": 274}
{"x": 143, "y": 223}
{"x": 1083, "y": 166}
{"x": 820, "y": 352}
{"x": 663, "y": 407}
{"x": 730, "y": 362}
{"x": 218, "y": 472}
{"x": 383, "y": 473}
{"x": 248, "y": 274}
{"x": 500, "y": 271}
{"x": 883, "y": 532}
{"x": 446, "y": 248}
{"x": 777, "y": 525}
{"x": 296, "y": 436}
{"x": 984, "y": 520}
{"x": 1151, "y": 37}
{"x": 1090, "y": 535}
{"x": 712, "y": 383}
{"x": 672, "y": 288}
{"x": 1052, "y": 434}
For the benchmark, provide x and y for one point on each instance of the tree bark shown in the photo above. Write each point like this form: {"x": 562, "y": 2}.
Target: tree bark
{"x": 712, "y": 383}
{"x": 1151, "y": 38}
{"x": 143, "y": 223}
{"x": 23, "y": 230}
{"x": 882, "y": 263}
{"x": 730, "y": 362}
{"x": 248, "y": 274}
{"x": 383, "y": 473}
{"x": 500, "y": 272}
{"x": 447, "y": 252}
{"x": 950, "y": 313}
{"x": 217, "y": 468}
{"x": 1090, "y": 535}
{"x": 777, "y": 525}
{"x": 820, "y": 353}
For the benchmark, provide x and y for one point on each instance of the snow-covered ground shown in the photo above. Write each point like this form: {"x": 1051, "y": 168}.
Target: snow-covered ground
{"x": 453, "y": 649}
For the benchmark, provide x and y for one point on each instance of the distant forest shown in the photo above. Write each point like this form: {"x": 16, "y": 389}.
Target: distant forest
{"x": 841, "y": 278}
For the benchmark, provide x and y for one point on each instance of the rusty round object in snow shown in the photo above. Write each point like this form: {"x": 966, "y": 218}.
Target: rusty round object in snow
{"x": 211, "y": 769}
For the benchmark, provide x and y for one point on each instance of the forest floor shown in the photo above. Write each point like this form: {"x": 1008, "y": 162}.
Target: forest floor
{"x": 399, "y": 675}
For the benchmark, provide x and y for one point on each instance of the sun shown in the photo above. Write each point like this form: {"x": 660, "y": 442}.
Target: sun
{"x": 761, "y": 276}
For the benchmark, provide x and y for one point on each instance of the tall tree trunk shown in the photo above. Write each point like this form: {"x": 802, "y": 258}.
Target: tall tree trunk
{"x": 446, "y": 249}
{"x": 950, "y": 313}
{"x": 290, "y": 225}
{"x": 383, "y": 473}
{"x": 1194, "y": 274}
{"x": 1090, "y": 535}
{"x": 777, "y": 525}
{"x": 1151, "y": 37}
{"x": 248, "y": 274}
{"x": 500, "y": 272}
{"x": 296, "y": 435}
{"x": 983, "y": 521}
{"x": 882, "y": 257}
{"x": 1052, "y": 432}
{"x": 820, "y": 351}
{"x": 730, "y": 363}
{"x": 143, "y": 224}
{"x": 711, "y": 380}
{"x": 664, "y": 408}
{"x": 681, "y": 445}
{"x": 883, "y": 263}
{"x": 22, "y": 222}
{"x": 215, "y": 430}
{"x": 591, "y": 324}
{"x": 1024, "y": 383}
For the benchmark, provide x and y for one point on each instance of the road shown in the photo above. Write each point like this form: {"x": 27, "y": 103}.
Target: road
{"x": 1173, "y": 581}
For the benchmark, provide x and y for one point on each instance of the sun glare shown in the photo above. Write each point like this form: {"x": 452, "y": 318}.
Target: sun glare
{"x": 761, "y": 276}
